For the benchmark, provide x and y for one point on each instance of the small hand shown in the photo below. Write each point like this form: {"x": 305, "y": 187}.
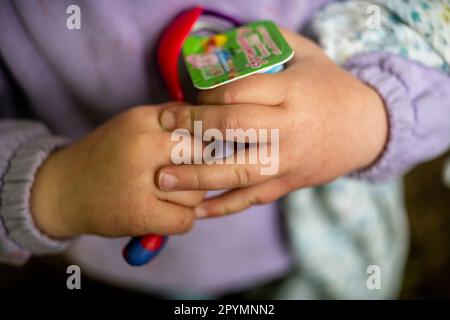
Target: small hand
{"x": 104, "y": 184}
{"x": 329, "y": 123}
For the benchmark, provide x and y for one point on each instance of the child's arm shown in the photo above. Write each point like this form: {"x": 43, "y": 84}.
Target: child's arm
{"x": 51, "y": 190}
{"x": 24, "y": 145}
{"x": 417, "y": 100}
{"x": 402, "y": 50}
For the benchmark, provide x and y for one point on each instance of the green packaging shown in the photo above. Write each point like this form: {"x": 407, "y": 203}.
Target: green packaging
{"x": 217, "y": 59}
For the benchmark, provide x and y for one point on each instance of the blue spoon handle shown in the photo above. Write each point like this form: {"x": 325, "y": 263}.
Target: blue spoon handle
{"x": 141, "y": 250}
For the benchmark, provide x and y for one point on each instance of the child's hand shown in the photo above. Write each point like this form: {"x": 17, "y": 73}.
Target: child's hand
{"x": 104, "y": 184}
{"x": 330, "y": 124}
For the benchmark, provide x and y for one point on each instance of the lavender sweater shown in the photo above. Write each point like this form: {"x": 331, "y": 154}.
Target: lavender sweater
{"x": 58, "y": 84}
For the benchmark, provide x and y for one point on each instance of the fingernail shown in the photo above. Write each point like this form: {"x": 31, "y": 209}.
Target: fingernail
{"x": 200, "y": 212}
{"x": 167, "y": 181}
{"x": 167, "y": 120}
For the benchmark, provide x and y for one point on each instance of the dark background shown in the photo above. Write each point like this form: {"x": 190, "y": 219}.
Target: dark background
{"x": 427, "y": 273}
{"x": 428, "y": 203}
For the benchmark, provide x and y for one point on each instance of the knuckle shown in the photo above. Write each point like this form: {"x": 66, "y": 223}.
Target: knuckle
{"x": 197, "y": 197}
{"x": 185, "y": 117}
{"x": 254, "y": 200}
{"x": 137, "y": 118}
{"x": 230, "y": 95}
{"x": 225, "y": 210}
{"x": 196, "y": 180}
{"x": 228, "y": 121}
{"x": 135, "y": 114}
{"x": 241, "y": 176}
{"x": 185, "y": 223}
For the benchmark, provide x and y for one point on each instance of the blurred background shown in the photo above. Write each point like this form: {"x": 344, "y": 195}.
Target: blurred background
{"x": 427, "y": 270}
{"x": 428, "y": 203}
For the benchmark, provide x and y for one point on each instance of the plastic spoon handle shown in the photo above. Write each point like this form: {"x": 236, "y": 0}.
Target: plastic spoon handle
{"x": 140, "y": 250}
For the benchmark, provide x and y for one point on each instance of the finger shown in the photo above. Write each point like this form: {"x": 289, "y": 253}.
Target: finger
{"x": 148, "y": 114}
{"x": 264, "y": 89}
{"x": 292, "y": 38}
{"x": 302, "y": 46}
{"x": 184, "y": 198}
{"x": 211, "y": 176}
{"x": 185, "y": 148}
{"x": 234, "y": 117}
{"x": 170, "y": 147}
{"x": 171, "y": 219}
{"x": 241, "y": 199}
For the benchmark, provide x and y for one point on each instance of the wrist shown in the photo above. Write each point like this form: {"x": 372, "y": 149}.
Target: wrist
{"x": 45, "y": 197}
{"x": 371, "y": 127}
{"x": 378, "y": 126}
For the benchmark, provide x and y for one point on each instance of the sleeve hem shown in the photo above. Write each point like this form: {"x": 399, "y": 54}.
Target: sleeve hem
{"x": 17, "y": 183}
{"x": 394, "y": 93}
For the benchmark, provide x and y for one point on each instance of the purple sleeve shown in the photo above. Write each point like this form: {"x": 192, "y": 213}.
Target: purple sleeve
{"x": 24, "y": 145}
{"x": 417, "y": 99}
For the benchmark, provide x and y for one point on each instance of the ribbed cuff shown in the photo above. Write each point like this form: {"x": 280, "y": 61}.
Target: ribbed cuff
{"x": 394, "y": 159}
{"x": 17, "y": 183}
